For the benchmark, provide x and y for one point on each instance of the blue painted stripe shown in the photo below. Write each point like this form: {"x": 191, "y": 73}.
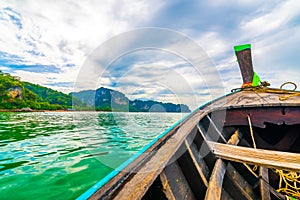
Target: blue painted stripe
{"x": 107, "y": 178}
{"x": 87, "y": 194}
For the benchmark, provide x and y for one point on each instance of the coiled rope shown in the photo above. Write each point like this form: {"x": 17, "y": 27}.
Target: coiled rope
{"x": 289, "y": 182}
{"x": 286, "y": 94}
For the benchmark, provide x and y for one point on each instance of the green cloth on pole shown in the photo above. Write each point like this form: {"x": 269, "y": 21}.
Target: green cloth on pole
{"x": 256, "y": 80}
{"x": 242, "y": 47}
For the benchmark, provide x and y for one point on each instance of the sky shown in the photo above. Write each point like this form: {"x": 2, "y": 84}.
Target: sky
{"x": 51, "y": 43}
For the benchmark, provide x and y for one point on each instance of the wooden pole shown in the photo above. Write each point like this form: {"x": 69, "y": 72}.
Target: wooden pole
{"x": 243, "y": 53}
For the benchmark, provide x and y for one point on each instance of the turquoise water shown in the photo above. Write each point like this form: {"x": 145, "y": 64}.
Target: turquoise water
{"x": 59, "y": 155}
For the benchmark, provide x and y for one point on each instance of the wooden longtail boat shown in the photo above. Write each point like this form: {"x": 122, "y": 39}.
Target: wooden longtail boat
{"x": 244, "y": 145}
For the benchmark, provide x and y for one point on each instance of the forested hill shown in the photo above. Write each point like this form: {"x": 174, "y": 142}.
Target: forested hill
{"x": 15, "y": 94}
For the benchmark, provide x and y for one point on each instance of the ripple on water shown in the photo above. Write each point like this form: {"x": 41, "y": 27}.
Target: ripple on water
{"x": 60, "y": 155}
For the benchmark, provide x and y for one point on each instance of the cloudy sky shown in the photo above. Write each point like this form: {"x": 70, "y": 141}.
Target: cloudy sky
{"x": 49, "y": 43}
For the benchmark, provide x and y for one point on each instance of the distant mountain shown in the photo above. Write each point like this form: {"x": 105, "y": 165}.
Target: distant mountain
{"x": 110, "y": 100}
{"x": 16, "y": 94}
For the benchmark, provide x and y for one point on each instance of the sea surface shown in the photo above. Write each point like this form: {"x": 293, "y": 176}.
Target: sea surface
{"x": 59, "y": 155}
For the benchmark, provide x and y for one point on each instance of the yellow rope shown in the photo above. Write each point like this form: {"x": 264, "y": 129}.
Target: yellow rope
{"x": 289, "y": 182}
{"x": 251, "y": 131}
{"x": 250, "y": 170}
{"x": 283, "y": 98}
{"x": 252, "y": 136}
{"x": 286, "y": 94}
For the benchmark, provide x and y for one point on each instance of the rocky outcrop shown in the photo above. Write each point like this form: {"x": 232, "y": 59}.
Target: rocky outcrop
{"x": 111, "y": 100}
{"x": 15, "y": 93}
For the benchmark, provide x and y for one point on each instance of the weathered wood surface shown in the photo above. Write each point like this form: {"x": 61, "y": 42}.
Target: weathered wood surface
{"x": 216, "y": 180}
{"x": 225, "y": 195}
{"x": 201, "y": 162}
{"x": 142, "y": 180}
{"x": 216, "y": 129}
{"x": 261, "y": 157}
{"x": 167, "y": 189}
{"x": 237, "y": 186}
{"x": 245, "y": 64}
{"x": 244, "y": 99}
{"x": 135, "y": 185}
{"x": 263, "y": 183}
{"x": 260, "y": 115}
{"x": 214, "y": 189}
{"x": 200, "y": 171}
{"x": 175, "y": 185}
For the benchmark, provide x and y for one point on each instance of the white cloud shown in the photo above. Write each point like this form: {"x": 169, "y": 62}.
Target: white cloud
{"x": 64, "y": 32}
{"x": 273, "y": 20}
{"x": 161, "y": 76}
{"x": 214, "y": 44}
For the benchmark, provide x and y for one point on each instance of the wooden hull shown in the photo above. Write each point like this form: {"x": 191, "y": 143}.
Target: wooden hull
{"x": 211, "y": 154}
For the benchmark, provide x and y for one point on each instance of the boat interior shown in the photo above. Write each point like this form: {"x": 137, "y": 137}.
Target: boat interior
{"x": 236, "y": 153}
{"x": 244, "y": 145}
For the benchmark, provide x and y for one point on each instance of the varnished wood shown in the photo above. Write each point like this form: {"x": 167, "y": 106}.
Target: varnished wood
{"x": 261, "y": 157}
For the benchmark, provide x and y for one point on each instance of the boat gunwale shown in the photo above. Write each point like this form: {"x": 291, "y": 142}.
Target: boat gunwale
{"x": 124, "y": 166}
{"x": 141, "y": 158}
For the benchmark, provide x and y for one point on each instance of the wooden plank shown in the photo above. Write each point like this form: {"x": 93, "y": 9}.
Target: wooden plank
{"x": 214, "y": 189}
{"x": 174, "y": 183}
{"x": 261, "y": 157}
{"x": 166, "y": 186}
{"x": 192, "y": 176}
{"x": 225, "y": 195}
{"x": 145, "y": 176}
{"x": 288, "y": 140}
{"x": 200, "y": 171}
{"x": 205, "y": 151}
{"x": 201, "y": 162}
{"x": 263, "y": 183}
{"x": 234, "y": 100}
{"x": 257, "y": 99}
{"x": 251, "y": 99}
{"x": 237, "y": 186}
{"x": 259, "y": 116}
{"x": 216, "y": 129}
{"x": 235, "y": 137}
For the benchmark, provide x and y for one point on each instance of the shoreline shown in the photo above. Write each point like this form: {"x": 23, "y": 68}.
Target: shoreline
{"x": 26, "y": 111}
{"x": 21, "y": 110}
